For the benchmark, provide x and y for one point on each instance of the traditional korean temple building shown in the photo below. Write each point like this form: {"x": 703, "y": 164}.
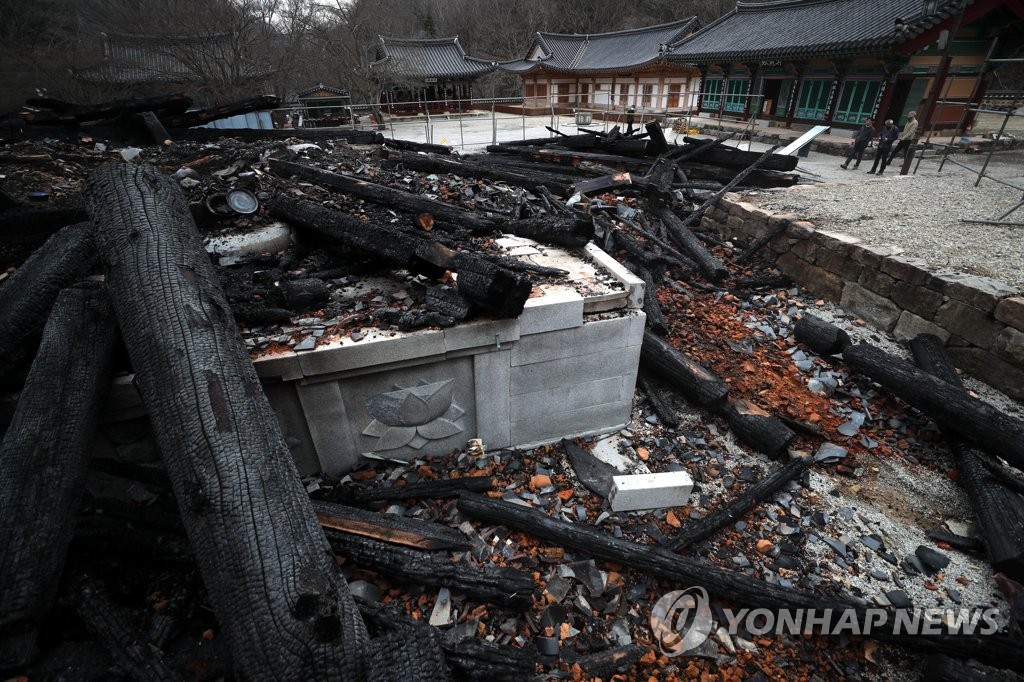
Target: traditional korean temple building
{"x": 208, "y": 67}
{"x": 611, "y": 71}
{"x": 839, "y": 61}
{"x": 417, "y": 72}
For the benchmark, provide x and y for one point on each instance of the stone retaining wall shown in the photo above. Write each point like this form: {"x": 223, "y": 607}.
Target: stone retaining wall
{"x": 980, "y": 319}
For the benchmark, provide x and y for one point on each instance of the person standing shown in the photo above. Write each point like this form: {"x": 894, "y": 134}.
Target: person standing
{"x": 886, "y": 136}
{"x": 906, "y": 137}
{"x": 859, "y": 143}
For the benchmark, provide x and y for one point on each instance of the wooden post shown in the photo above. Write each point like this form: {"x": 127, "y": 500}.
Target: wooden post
{"x": 284, "y": 608}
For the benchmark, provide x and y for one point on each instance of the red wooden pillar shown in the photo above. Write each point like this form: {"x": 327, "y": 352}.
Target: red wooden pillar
{"x": 801, "y": 71}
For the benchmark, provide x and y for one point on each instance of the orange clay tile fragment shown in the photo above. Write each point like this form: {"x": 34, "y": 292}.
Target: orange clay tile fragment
{"x": 539, "y": 481}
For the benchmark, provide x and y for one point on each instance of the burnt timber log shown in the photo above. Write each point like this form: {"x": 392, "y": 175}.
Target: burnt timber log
{"x": 392, "y": 528}
{"x": 26, "y": 297}
{"x": 696, "y": 383}
{"x": 127, "y": 645}
{"x": 479, "y": 659}
{"x": 572, "y": 231}
{"x": 155, "y": 128}
{"x": 284, "y": 608}
{"x": 478, "y": 222}
{"x": 820, "y": 336}
{"x": 658, "y": 144}
{"x": 998, "y": 509}
{"x": 505, "y": 586}
{"x": 660, "y": 402}
{"x": 44, "y": 459}
{"x": 757, "y": 428}
{"x": 710, "y": 266}
{"x": 575, "y": 158}
{"x": 948, "y": 405}
{"x": 655, "y": 317}
{"x": 195, "y": 118}
{"x": 69, "y": 113}
{"x": 730, "y": 157}
{"x": 739, "y": 588}
{"x": 402, "y": 649}
{"x": 470, "y": 169}
{"x": 447, "y": 487}
{"x": 756, "y": 178}
{"x": 694, "y": 217}
{"x": 733, "y": 511}
{"x": 487, "y": 286}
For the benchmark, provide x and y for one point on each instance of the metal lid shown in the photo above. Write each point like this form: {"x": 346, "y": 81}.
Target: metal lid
{"x": 242, "y": 201}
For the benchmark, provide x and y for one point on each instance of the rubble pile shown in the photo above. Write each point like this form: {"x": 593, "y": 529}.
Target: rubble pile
{"x": 813, "y": 486}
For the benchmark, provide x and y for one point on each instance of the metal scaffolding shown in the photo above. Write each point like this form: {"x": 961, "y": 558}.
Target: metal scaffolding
{"x": 1014, "y": 100}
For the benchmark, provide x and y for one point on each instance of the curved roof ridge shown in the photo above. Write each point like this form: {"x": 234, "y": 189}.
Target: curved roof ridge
{"x": 682, "y": 23}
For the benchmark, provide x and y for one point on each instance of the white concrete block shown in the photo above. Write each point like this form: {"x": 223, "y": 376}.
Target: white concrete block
{"x": 559, "y": 308}
{"x": 650, "y": 491}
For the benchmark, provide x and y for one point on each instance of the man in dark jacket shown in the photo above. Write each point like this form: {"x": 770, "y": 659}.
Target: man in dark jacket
{"x": 860, "y": 142}
{"x": 886, "y": 137}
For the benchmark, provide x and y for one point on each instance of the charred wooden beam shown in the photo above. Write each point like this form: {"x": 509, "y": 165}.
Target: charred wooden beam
{"x": 655, "y": 317}
{"x": 447, "y": 487}
{"x": 388, "y": 527}
{"x": 696, "y": 383}
{"x": 710, "y": 266}
{"x": 155, "y": 128}
{"x": 69, "y": 113}
{"x": 112, "y": 626}
{"x": 948, "y": 405}
{"x": 820, "y": 336}
{"x": 694, "y": 217}
{"x": 701, "y": 529}
{"x": 486, "y": 285}
{"x": 660, "y": 403}
{"x": 484, "y": 661}
{"x": 730, "y": 157}
{"x": 572, "y": 231}
{"x": 505, "y": 586}
{"x": 758, "y": 429}
{"x": 27, "y": 296}
{"x": 757, "y": 178}
{"x": 248, "y": 516}
{"x": 735, "y": 587}
{"x": 44, "y": 459}
{"x": 658, "y": 144}
{"x": 470, "y": 169}
{"x": 998, "y": 509}
{"x": 575, "y": 158}
{"x": 195, "y": 118}
{"x": 479, "y": 222}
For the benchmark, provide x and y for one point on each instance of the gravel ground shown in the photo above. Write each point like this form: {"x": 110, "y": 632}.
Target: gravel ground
{"x": 922, "y": 214}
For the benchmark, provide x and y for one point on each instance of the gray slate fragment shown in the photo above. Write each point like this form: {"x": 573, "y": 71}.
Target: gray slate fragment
{"x": 933, "y": 560}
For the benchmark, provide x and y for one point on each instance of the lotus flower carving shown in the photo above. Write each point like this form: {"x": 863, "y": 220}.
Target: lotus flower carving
{"x": 413, "y": 416}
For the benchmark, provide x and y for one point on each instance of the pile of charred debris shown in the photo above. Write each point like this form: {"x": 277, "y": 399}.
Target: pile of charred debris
{"x": 191, "y": 548}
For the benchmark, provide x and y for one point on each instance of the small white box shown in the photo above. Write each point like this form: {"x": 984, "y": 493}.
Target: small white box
{"x": 650, "y": 491}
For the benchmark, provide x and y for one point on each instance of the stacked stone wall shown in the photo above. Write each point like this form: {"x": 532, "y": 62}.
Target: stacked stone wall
{"x": 980, "y": 319}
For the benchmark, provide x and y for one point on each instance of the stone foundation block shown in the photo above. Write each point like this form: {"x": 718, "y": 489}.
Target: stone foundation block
{"x": 910, "y": 325}
{"x": 879, "y": 311}
{"x": 1009, "y": 344}
{"x": 912, "y": 270}
{"x": 969, "y": 322}
{"x": 990, "y": 369}
{"x": 1011, "y": 311}
{"x": 918, "y": 300}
